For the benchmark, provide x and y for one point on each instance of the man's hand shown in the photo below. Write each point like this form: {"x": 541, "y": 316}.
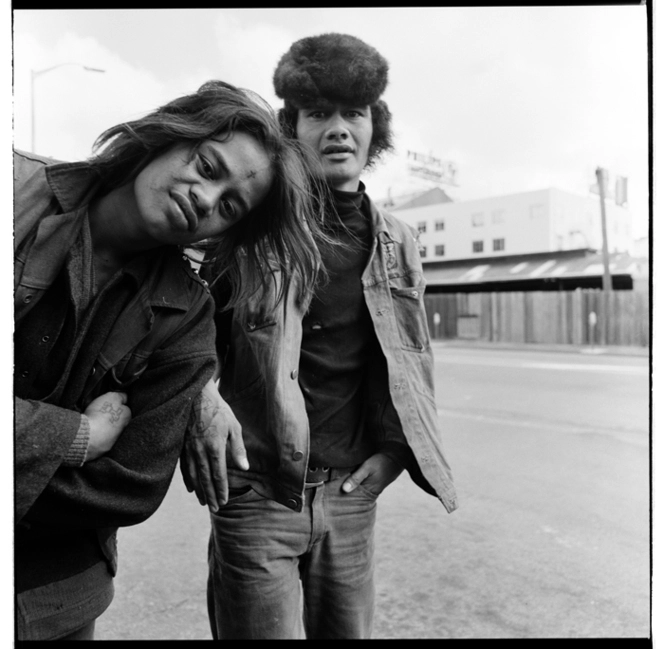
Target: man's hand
{"x": 212, "y": 427}
{"x": 374, "y": 474}
{"x": 108, "y": 415}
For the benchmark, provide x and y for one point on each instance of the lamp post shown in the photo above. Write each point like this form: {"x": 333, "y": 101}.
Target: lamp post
{"x": 33, "y": 75}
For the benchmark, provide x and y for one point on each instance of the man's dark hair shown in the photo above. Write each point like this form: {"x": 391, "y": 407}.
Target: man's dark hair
{"x": 335, "y": 68}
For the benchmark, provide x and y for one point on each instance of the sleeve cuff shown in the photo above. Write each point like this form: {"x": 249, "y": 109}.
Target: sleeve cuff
{"x": 78, "y": 450}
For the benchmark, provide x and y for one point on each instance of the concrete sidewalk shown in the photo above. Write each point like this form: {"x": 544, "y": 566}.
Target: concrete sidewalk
{"x": 605, "y": 350}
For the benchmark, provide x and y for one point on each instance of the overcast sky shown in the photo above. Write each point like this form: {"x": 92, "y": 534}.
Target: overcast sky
{"x": 518, "y": 98}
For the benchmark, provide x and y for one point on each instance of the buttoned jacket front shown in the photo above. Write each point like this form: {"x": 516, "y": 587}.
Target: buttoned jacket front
{"x": 160, "y": 351}
{"x": 260, "y": 363}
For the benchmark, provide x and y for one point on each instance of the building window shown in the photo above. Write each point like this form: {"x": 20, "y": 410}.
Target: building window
{"x": 440, "y": 251}
{"x": 477, "y": 219}
{"x": 499, "y": 244}
{"x": 498, "y": 216}
{"x": 536, "y": 211}
{"x": 421, "y": 227}
{"x": 440, "y": 225}
{"x": 478, "y": 246}
{"x": 423, "y": 251}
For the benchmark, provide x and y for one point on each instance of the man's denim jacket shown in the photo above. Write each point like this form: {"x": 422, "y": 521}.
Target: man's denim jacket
{"x": 259, "y": 376}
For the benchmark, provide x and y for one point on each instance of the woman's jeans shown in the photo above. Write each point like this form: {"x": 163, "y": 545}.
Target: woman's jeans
{"x": 262, "y": 555}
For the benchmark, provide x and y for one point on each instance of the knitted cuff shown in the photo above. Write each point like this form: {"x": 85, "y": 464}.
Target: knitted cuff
{"x": 78, "y": 450}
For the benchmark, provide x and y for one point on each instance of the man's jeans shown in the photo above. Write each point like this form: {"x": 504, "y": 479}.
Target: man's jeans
{"x": 262, "y": 555}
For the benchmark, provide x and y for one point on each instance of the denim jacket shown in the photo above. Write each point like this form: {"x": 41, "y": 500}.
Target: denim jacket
{"x": 259, "y": 376}
{"x": 160, "y": 351}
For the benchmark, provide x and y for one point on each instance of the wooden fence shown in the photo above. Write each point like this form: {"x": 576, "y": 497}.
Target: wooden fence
{"x": 553, "y": 317}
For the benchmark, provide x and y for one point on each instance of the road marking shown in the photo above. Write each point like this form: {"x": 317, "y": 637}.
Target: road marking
{"x": 592, "y": 368}
{"x": 633, "y": 436}
{"x": 587, "y": 367}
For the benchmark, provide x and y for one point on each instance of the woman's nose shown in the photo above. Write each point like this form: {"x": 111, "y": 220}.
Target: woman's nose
{"x": 204, "y": 198}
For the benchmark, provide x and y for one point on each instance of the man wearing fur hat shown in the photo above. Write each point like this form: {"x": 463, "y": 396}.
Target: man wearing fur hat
{"x": 334, "y": 397}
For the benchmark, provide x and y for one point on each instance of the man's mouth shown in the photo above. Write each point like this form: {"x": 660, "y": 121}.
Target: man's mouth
{"x": 185, "y": 207}
{"x": 337, "y": 148}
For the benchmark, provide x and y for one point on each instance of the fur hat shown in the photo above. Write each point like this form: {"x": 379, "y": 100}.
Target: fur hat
{"x": 332, "y": 67}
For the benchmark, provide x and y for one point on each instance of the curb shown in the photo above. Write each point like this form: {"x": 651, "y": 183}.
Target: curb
{"x": 608, "y": 350}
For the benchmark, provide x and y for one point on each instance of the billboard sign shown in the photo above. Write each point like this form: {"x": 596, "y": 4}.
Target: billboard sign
{"x": 432, "y": 169}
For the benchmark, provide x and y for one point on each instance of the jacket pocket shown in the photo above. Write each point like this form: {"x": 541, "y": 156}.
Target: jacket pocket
{"x": 410, "y": 316}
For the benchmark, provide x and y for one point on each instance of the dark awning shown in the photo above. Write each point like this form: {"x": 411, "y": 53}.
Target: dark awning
{"x": 540, "y": 266}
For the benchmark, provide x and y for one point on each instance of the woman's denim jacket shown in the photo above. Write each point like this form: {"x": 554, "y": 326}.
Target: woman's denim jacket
{"x": 259, "y": 376}
{"x": 165, "y": 331}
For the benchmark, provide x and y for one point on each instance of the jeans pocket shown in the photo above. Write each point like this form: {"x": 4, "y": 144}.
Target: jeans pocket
{"x": 240, "y": 495}
{"x": 366, "y": 491}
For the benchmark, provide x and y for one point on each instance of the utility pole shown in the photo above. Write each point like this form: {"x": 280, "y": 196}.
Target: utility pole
{"x": 602, "y": 181}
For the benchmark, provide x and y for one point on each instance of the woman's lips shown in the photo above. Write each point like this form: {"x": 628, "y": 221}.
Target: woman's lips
{"x": 185, "y": 207}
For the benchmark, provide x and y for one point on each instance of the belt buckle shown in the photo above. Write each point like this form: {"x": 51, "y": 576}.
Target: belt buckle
{"x": 318, "y": 474}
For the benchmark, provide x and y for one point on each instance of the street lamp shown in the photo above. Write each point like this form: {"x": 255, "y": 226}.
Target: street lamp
{"x": 33, "y": 75}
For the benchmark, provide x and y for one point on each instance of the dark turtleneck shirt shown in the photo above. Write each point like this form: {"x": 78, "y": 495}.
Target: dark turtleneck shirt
{"x": 338, "y": 337}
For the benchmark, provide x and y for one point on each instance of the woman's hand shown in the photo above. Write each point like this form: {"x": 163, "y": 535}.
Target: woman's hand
{"x": 108, "y": 415}
{"x": 212, "y": 427}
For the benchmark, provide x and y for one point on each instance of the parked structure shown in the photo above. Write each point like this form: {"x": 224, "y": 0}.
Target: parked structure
{"x": 553, "y": 317}
{"x": 565, "y": 270}
{"x": 546, "y": 220}
{"x": 528, "y": 268}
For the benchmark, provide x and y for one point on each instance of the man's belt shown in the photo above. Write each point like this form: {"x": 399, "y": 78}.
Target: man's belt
{"x": 318, "y": 474}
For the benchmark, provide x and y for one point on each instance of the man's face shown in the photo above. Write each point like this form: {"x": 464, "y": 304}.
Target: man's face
{"x": 182, "y": 199}
{"x": 341, "y": 136}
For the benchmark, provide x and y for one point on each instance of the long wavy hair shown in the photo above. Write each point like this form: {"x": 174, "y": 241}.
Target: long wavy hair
{"x": 281, "y": 234}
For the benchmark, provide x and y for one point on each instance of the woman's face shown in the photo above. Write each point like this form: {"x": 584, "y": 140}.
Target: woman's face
{"x": 184, "y": 196}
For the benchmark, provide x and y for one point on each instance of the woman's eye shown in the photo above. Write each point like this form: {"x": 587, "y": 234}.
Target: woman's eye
{"x": 228, "y": 208}
{"x": 206, "y": 167}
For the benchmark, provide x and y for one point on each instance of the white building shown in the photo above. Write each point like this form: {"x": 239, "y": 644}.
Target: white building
{"x": 546, "y": 220}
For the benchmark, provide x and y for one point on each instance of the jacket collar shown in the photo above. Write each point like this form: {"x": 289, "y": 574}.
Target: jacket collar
{"x": 379, "y": 224}
{"x": 160, "y": 278}
{"x": 73, "y": 183}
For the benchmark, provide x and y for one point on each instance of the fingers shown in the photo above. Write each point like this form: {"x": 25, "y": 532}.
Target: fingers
{"x": 238, "y": 451}
{"x": 203, "y": 469}
{"x": 216, "y": 488}
{"x": 194, "y": 469}
{"x": 376, "y": 473}
{"x": 355, "y": 479}
{"x": 212, "y": 427}
{"x": 187, "y": 469}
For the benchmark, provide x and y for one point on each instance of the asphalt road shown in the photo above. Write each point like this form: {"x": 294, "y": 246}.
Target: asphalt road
{"x": 550, "y": 453}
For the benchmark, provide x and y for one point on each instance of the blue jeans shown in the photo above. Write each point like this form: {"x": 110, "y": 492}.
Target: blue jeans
{"x": 262, "y": 555}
